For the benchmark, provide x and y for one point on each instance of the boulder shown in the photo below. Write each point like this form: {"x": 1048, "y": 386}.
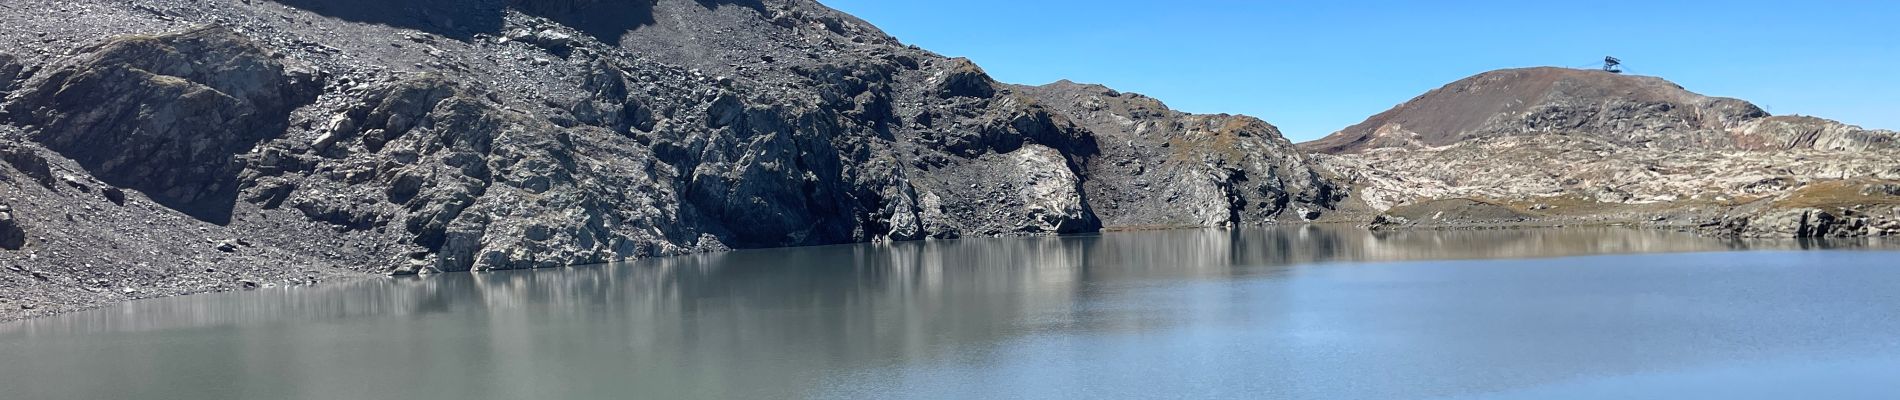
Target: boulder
{"x": 12, "y": 232}
{"x": 30, "y": 163}
{"x": 10, "y": 72}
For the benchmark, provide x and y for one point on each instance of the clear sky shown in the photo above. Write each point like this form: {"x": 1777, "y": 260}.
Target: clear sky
{"x": 1313, "y": 67}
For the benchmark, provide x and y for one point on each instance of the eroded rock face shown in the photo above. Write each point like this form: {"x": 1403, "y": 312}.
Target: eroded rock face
{"x": 561, "y": 137}
{"x": 1051, "y": 193}
{"x": 1156, "y": 167}
{"x": 163, "y": 114}
{"x": 1802, "y": 132}
{"x": 474, "y": 186}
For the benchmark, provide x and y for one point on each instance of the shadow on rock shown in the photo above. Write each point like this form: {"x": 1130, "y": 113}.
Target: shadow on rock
{"x": 605, "y": 20}
{"x": 453, "y": 18}
{"x": 608, "y": 20}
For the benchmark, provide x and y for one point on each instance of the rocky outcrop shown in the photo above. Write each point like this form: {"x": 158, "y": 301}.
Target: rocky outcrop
{"x": 963, "y": 79}
{"x": 28, "y": 163}
{"x": 1802, "y": 132}
{"x": 1801, "y": 222}
{"x": 11, "y": 71}
{"x": 163, "y": 114}
{"x": 1156, "y": 167}
{"x": 1626, "y": 110}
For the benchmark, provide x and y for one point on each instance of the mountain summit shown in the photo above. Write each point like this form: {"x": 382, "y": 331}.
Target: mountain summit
{"x": 1628, "y": 110}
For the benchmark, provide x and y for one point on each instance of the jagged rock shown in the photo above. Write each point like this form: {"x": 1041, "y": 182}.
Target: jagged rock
{"x": 1388, "y": 222}
{"x": 114, "y": 195}
{"x": 10, "y": 72}
{"x": 554, "y": 41}
{"x": 1050, "y": 192}
{"x": 1881, "y": 189}
{"x": 1791, "y": 223}
{"x": 28, "y": 162}
{"x": 163, "y": 114}
{"x": 12, "y": 232}
{"x": 963, "y": 78}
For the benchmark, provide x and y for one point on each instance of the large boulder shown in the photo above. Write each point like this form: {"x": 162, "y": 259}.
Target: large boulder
{"x": 163, "y": 114}
{"x": 10, "y": 71}
{"x": 12, "y": 234}
{"x": 963, "y": 78}
{"x": 1051, "y": 193}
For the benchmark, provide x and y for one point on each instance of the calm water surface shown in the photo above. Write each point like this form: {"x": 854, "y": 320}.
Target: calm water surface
{"x": 1313, "y": 312}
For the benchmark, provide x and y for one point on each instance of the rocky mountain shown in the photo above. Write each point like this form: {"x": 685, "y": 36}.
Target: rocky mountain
{"x": 165, "y": 147}
{"x": 1553, "y": 146}
{"x": 1626, "y": 110}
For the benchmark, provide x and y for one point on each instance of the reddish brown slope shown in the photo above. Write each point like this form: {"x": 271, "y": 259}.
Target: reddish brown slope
{"x": 1544, "y": 99}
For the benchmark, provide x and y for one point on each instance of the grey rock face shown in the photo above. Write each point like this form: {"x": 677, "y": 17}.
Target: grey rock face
{"x": 1800, "y": 132}
{"x": 162, "y": 114}
{"x": 1796, "y": 223}
{"x": 537, "y": 134}
{"x": 1156, "y": 167}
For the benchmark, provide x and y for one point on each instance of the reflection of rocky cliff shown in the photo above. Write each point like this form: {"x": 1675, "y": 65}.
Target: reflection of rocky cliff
{"x": 853, "y": 305}
{"x": 1038, "y": 273}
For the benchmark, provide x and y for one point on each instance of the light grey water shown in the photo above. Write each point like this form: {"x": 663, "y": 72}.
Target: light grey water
{"x": 1314, "y": 312}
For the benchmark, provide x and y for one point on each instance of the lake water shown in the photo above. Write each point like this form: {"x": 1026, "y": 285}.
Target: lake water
{"x": 1296, "y": 313}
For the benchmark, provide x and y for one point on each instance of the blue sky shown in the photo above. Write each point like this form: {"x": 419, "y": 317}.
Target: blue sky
{"x": 1313, "y": 67}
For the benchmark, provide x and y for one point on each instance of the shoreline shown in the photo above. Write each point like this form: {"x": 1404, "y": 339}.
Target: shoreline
{"x": 45, "y": 311}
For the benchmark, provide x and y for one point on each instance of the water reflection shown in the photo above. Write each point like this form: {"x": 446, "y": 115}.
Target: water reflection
{"x": 1055, "y": 269}
{"x": 749, "y": 324}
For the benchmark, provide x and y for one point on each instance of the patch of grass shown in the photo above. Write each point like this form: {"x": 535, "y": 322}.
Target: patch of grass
{"x": 1835, "y": 194}
{"x": 1223, "y": 141}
